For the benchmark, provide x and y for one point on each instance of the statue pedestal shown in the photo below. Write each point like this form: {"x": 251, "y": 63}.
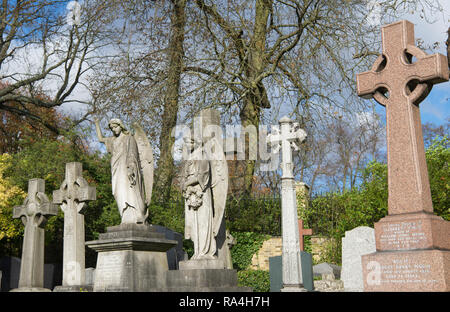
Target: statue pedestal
{"x": 131, "y": 258}
{"x": 203, "y": 276}
{"x": 73, "y": 288}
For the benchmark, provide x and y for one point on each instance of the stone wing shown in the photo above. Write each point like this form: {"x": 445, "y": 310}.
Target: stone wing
{"x": 219, "y": 182}
{"x": 146, "y": 160}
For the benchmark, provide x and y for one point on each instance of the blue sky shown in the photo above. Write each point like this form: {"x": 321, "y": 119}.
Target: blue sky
{"x": 435, "y": 108}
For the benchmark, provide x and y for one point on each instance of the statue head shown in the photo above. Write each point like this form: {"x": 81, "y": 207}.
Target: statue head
{"x": 117, "y": 126}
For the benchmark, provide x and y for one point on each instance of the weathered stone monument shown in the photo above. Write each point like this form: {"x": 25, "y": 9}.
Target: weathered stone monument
{"x": 72, "y": 197}
{"x": 34, "y": 213}
{"x": 287, "y": 137}
{"x": 356, "y": 243}
{"x": 131, "y": 256}
{"x": 413, "y": 246}
{"x": 204, "y": 183}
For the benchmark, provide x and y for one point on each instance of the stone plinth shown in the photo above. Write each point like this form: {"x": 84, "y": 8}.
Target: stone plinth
{"x": 131, "y": 258}
{"x": 202, "y": 276}
{"x": 201, "y": 264}
{"x": 412, "y": 254}
{"x": 412, "y": 231}
{"x": 418, "y": 270}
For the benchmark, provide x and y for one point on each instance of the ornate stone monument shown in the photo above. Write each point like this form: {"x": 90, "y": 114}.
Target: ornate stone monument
{"x": 413, "y": 246}
{"x": 131, "y": 256}
{"x": 204, "y": 183}
{"x": 287, "y": 137}
{"x": 34, "y": 213}
{"x": 72, "y": 197}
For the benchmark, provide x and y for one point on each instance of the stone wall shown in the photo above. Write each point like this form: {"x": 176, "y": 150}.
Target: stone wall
{"x": 270, "y": 248}
{"x": 319, "y": 247}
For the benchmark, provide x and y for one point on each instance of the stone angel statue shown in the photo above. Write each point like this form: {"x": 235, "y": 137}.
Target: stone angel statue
{"x": 204, "y": 182}
{"x": 131, "y": 169}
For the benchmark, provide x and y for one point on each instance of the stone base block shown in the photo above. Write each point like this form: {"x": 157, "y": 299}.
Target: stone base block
{"x": 203, "y": 280}
{"x": 412, "y": 231}
{"x": 30, "y": 289}
{"x": 131, "y": 258}
{"x": 406, "y": 271}
{"x": 201, "y": 264}
{"x": 293, "y": 288}
{"x": 74, "y": 288}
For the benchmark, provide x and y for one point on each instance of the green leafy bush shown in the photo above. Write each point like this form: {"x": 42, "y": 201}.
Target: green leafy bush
{"x": 258, "y": 280}
{"x": 247, "y": 244}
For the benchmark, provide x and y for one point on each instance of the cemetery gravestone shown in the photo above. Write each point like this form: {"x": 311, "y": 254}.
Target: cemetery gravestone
{"x": 175, "y": 254}
{"x": 275, "y": 272}
{"x": 356, "y": 243}
{"x": 72, "y": 197}
{"x": 89, "y": 276}
{"x": 10, "y": 267}
{"x": 205, "y": 183}
{"x": 288, "y": 137}
{"x": 131, "y": 258}
{"x": 413, "y": 249}
{"x": 302, "y": 232}
{"x": 33, "y": 213}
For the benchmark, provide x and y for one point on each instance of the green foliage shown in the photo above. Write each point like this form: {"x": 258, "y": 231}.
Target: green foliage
{"x": 46, "y": 158}
{"x": 258, "y": 280}
{"x": 247, "y": 244}
{"x": 169, "y": 214}
{"x": 332, "y": 214}
{"x": 438, "y": 158}
{"x": 253, "y": 214}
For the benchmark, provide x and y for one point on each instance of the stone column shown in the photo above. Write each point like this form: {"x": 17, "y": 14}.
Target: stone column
{"x": 287, "y": 137}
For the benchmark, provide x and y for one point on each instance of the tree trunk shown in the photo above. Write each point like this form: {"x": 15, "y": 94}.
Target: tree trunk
{"x": 165, "y": 171}
{"x": 257, "y": 96}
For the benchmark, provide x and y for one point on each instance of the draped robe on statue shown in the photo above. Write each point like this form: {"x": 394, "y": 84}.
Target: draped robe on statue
{"x": 199, "y": 213}
{"x": 125, "y": 160}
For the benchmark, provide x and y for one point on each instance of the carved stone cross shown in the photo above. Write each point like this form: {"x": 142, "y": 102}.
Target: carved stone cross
{"x": 303, "y": 232}
{"x": 73, "y": 196}
{"x": 400, "y": 84}
{"x": 33, "y": 213}
{"x": 287, "y": 138}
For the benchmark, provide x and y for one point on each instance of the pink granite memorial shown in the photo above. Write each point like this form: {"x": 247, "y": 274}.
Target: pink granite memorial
{"x": 412, "y": 244}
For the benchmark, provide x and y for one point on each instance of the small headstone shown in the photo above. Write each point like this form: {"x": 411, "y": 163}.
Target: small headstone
{"x": 10, "y": 267}
{"x": 175, "y": 254}
{"x": 33, "y": 213}
{"x": 275, "y": 272}
{"x": 357, "y": 242}
{"x": 327, "y": 269}
{"x": 89, "y": 276}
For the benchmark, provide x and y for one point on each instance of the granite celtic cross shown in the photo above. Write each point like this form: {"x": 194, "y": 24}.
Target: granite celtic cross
{"x": 33, "y": 213}
{"x": 72, "y": 196}
{"x": 400, "y": 83}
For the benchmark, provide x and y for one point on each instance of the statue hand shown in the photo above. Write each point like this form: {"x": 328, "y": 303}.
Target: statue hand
{"x": 131, "y": 176}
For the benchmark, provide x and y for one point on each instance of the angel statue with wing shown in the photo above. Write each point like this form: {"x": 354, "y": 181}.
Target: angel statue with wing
{"x": 131, "y": 169}
{"x": 204, "y": 182}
